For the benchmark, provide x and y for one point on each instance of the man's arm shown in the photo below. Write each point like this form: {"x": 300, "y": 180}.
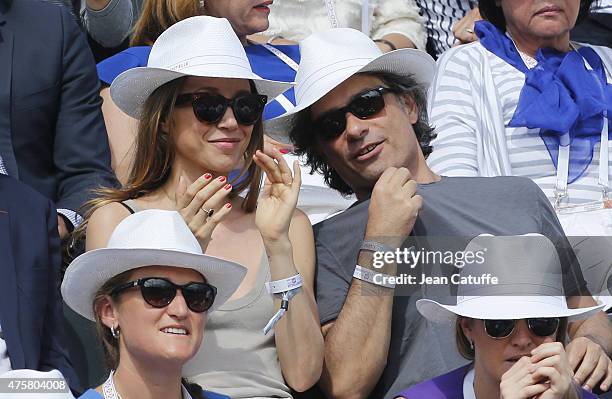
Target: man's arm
{"x": 357, "y": 342}
{"x": 54, "y": 354}
{"x": 81, "y": 151}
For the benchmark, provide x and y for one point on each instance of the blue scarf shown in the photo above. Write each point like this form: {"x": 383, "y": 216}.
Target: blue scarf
{"x": 561, "y": 97}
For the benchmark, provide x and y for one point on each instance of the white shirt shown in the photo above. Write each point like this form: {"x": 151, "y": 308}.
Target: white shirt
{"x": 5, "y": 362}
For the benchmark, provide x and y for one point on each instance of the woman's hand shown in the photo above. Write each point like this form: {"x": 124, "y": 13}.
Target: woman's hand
{"x": 279, "y": 197}
{"x": 544, "y": 375}
{"x": 203, "y": 204}
{"x": 464, "y": 28}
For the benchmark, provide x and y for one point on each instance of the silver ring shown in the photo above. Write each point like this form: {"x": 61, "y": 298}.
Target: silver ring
{"x": 209, "y": 212}
{"x": 468, "y": 30}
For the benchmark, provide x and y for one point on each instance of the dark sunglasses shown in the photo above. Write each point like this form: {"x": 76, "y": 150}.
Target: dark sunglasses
{"x": 540, "y": 326}
{"x": 364, "y": 105}
{"x": 160, "y": 292}
{"x": 210, "y": 107}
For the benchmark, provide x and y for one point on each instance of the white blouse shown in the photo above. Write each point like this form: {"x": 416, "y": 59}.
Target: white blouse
{"x": 297, "y": 19}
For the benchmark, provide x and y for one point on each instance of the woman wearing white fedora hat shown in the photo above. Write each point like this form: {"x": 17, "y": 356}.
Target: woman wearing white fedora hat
{"x": 150, "y": 296}
{"x": 200, "y": 106}
{"x": 513, "y": 332}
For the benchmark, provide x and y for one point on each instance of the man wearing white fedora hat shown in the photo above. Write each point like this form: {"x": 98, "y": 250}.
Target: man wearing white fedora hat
{"x": 360, "y": 120}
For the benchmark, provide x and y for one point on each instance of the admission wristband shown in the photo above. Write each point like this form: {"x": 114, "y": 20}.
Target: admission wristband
{"x": 375, "y": 246}
{"x": 284, "y": 285}
{"x": 368, "y": 275}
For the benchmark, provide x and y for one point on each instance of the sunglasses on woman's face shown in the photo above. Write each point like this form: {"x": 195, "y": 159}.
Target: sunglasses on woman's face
{"x": 160, "y": 292}
{"x": 364, "y": 105}
{"x": 539, "y": 326}
{"x": 210, "y": 107}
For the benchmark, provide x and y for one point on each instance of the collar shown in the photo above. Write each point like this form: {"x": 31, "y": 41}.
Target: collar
{"x": 468, "y": 385}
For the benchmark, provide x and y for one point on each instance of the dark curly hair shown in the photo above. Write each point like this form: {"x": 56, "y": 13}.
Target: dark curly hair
{"x": 494, "y": 13}
{"x": 305, "y": 140}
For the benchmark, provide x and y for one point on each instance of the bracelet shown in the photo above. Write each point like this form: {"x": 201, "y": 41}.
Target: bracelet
{"x": 374, "y": 246}
{"x": 370, "y": 276}
{"x": 287, "y": 284}
{"x": 387, "y": 42}
{"x": 286, "y": 288}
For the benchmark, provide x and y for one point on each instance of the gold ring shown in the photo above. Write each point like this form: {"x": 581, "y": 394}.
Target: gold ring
{"x": 468, "y": 30}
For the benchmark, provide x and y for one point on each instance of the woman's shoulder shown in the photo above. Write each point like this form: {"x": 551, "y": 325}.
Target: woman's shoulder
{"x": 129, "y": 58}
{"x": 91, "y": 394}
{"x": 445, "y": 386}
{"x": 102, "y": 223}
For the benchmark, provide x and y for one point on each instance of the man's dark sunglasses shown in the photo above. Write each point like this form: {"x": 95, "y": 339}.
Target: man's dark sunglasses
{"x": 160, "y": 292}
{"x": 364, "y": 105}
{"x": 540, "y": 326}
{"x": 210, "y": 107}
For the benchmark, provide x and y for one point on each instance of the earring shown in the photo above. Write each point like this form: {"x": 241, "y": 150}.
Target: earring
{"x": 115, "y": 332}
{"x": 472, "y": 345}
{"x": 201, "y": 3}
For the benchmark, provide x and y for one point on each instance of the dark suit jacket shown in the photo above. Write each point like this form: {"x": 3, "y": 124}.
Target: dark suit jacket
{"x": 30, "y": 302}
{"x": 52, "y": 134}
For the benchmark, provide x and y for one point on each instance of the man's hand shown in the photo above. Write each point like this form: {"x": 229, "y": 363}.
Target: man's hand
{"x": 62, "y": 228}
{"x": 590, "y": 363}
{"x": 394, "y": 205}
{"x": 464, "y": 28}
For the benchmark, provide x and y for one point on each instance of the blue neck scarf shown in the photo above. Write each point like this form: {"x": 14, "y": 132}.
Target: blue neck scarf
{"x": 561, "y": 97}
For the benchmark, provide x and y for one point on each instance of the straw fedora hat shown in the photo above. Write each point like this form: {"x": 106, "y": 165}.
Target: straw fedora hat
{"x": 530, "y": 283}
{"x": 146, "y": 238}
{"x": 330, "y": 57}
{"x": 197, "y": 46}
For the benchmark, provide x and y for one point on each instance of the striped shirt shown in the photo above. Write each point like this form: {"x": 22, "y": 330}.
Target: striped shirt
{"x": 602, "y": 6}
{"x": 439, "y": 17}
{"x": 458, "y": 110}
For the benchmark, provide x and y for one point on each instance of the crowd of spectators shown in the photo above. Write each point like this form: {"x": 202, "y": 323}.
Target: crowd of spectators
{"x": 214, "y": 195}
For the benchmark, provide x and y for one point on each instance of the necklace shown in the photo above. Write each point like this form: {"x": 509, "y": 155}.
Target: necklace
{"x": 110, "y": 392}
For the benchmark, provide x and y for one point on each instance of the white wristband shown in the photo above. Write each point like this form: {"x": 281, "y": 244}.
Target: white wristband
{"x": 287, "y": 284}
{"x": 370, "y": 276}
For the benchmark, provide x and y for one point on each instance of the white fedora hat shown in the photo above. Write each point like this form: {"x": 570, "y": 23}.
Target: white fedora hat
{"x": 330, "y": 57}
{"x": 530, "y": 283}
{"x": 197, "y": 46}
{"x": 147, "y": 238}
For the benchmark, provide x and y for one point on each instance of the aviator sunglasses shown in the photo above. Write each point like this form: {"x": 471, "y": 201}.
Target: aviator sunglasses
{"x": 160, "y": 292}
{"x": 364, "y": 105}
{"x": 539, "y": 326}
{"x": 210, "y": 107}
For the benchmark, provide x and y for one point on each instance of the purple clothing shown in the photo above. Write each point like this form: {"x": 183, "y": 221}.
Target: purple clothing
{"x": 450, "y": 386}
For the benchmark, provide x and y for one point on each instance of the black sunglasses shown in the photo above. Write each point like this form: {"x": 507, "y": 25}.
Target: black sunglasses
{"x": 540, "y": 326}
{"x": 160, "y": 292}
{"x": 364, "y": 105}
{"x": 210, "y": 107}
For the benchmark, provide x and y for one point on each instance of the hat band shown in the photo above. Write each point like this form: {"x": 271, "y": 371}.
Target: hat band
{"x": 304, "y": 85}
{"x": 180, "y": 66}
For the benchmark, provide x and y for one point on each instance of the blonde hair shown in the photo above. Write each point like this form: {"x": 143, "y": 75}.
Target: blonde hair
{"x": 158, "y": 15}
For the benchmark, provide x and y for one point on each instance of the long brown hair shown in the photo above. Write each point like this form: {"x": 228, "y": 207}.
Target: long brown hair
{"x": 155, "y": 153}
{"x": 158, "y": 15}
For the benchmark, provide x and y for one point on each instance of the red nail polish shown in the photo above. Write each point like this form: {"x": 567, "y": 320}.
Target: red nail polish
{"x": 284, "y": 151}
{"x": 227, "y": 186}
{"x": 207, "y": 176}
{"x": 228, "y": 205}
{"x": 221, "y": 178}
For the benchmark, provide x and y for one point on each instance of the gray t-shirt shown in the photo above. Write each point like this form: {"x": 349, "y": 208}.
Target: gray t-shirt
{"x": 453, "y": 207}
